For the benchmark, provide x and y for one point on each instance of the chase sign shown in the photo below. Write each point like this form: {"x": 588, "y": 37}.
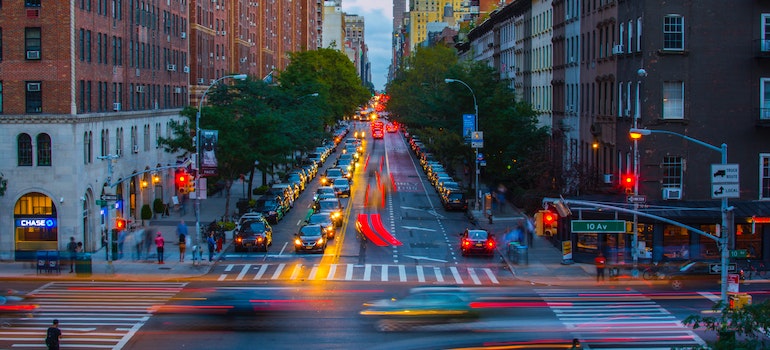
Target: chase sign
{"x": 36, "y": 222}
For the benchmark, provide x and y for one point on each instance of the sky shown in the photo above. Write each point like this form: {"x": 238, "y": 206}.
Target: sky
{"x": 378, "y": 21}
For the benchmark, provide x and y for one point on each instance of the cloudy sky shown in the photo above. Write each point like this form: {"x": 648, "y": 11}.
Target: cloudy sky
{"x": 378, "y": 19}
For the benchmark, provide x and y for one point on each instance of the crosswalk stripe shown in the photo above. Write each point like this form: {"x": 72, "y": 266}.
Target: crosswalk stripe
{"x": 278, "y": 271}
{"x": 332, "y": 271}
{"x": 295, "y": 273}
{"x": 262, "y": 269}
{"x": 491, "y": 276}
{"x": 475, "y": 278}
{"x": 439, "y": 276}
{"x": 384, "y": 273}
{"x": 244, "y": 270}
{"x": 420, "y": 274}
{"x": 402, "y": 273}
{"x": 456, "y": 274}
{"x": 349, "y": 272}
{"x": 367, "y": 272}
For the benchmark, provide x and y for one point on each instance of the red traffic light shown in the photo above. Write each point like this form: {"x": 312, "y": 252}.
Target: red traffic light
{"x": 120, "y": 224}
{"x": 628, "y": 180}
{"x": 549, "y": 218}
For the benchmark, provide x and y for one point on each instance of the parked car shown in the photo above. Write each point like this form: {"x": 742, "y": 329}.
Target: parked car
{"x": 254, "y": 234}
{"x": 454, "y": 200}
{"x": 310, "y": 238}
{"x": 693, "y": 274}
{"x": 271, "y": 207}
{"x": 330, "y": 175}
{"x": 477, "y": 242}
{"x": 342, "y": 187}
{"x": 321, "y": 190}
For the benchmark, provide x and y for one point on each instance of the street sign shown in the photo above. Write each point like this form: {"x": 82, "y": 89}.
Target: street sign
{"x": 598, "y": 226}
{"x": 738, "y": 253}
{"x": 637, "y": 198}
{"x": 717, "y": 268}
{"x": 109, "y": 197}
{"x": 725, "y": 191}
{"x": 469, "y": 124}
{"x": 725, "y": 174}
{"x": 101, "y": 203}
{"x": 733, "y": 281}
{"x": 477, "y": 139}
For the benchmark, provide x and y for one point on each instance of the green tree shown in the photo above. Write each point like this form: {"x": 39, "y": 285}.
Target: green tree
{"x": 736, "y": 328}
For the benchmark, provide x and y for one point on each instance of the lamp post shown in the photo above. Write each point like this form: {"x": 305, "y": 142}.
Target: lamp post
{"x": 198, "y": 153}
{"x": 635, "y": 236}
{"x": 475, "y": 149}
{"x": 723, "y": 239}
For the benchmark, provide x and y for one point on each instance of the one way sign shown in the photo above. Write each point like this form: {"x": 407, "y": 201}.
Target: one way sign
{"x": 717, "y": 268}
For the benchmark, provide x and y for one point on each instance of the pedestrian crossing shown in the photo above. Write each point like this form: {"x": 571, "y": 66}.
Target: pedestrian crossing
{"x": 358, "y": 272}
{"x": 614, "y": 319}
{"x": 91, "y": 314}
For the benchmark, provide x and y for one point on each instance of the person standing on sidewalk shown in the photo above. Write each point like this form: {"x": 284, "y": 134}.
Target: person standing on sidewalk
{"x": 72, "y": 249}
{"x": 181, "y": 230}
{"x": 52, "y": 336}
{"x": 159, "y": 242}
{"x": 211, "y": 244}
{"x": 601, "y": 263}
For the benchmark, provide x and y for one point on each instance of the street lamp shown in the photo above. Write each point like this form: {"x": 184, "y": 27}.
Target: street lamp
{"x": 475, "y": 129}
{"x": 722, "y": 240}
{"x": 198, "y": 153}
{"x": 634, "y": 238}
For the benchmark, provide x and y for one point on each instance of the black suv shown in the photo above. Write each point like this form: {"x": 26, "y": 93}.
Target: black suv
{"x": 254, "y": 234}
{"x": 271, "y": 207}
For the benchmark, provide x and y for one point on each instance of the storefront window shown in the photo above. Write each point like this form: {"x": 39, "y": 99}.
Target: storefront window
{"x": 751, "y": 242}
{"x": 676, "y": 243}
{"x": 709, "y": 249}
{"x": 588, "y": 242}
{"x": 35, "y": 223}
{"x": 644, "y": 239}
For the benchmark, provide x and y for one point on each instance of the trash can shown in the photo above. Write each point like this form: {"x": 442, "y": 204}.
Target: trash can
{"x": 522, "y": 253}
{"x": 512, "y": 252}
{"x": 83, "y": 264}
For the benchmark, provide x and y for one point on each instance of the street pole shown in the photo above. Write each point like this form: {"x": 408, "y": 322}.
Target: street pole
{"x": 475, "y": 149}
{"x": 108, "y": 183}
{"x": 198, "y": 155}
{"x": 635, "y": 234}
{"x": 723, "y": 239}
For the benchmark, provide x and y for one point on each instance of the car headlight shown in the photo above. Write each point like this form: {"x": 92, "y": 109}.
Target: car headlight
{"x": 259, "y": 239}
{"x": 320, "y": 241}
{"x": 336, "y": 215}
{"x": 297, "y": 241}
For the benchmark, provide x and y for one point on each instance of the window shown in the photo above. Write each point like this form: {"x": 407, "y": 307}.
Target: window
{"x": 672, "y": 171}
{"x": 765, "y": 27}
{"x": 88, "y": 46}
{"x": 88, "y": 147}
{"x": 105, "y": 143}
{"x": 1, "y": 44}
{"x": 43, "y": 150}
{"x": 764, "y": 176}
{"x": 31, "y": 3}
{"x": 764, "y": 96}
{"x": 673, "y": 32}
{"x": 119, "y": 141}
{"x": 673, "y": 100}
{"x": 639, "y": 34}
{"x": 34, "y": 97}
{"x": 32, "y": 41}
{"x": 1, "y": 97}
{"x": 24, "y": 150}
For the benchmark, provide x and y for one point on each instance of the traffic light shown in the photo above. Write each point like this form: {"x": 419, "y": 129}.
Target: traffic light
{"x": 120, "y": 224}
{"x": 628, "y": 181}
{"x": 549, "y": 218}
{"x": 183, "y": 181}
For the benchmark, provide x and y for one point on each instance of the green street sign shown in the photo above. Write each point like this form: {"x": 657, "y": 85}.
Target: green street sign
{"x": 738, "y": 253}
{"x": 598, "y": 226}
{"x": 101, "y": 203}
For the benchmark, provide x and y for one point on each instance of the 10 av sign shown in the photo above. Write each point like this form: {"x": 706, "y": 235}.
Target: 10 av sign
{"x": 599, "y": 226}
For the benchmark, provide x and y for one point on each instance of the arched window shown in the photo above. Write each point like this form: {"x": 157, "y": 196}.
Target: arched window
{"x": 43, "y": 150}
{"x": 24, "y": 145}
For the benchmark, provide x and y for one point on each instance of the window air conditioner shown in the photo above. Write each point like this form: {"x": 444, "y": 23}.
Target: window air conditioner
{"x": 186, "y": 69}
{"x": 608, "y": 178}
{"x": 33, "y": 86}
{"x": 183, "y": 35}
{"x": 136, "y": 149}
{"x": 116, "y": 106}
{"x": 171, "y": 67}
{"x": 670, "y": 193}
{"x": 119, "y": 152}
{"x": 178, "y": 90}
{"x": 617, "y": 49}
{"x": 33, "y": 55}
{"x": 140, "y": 88}
{"x": 201, "y": 81}
{"x": 572, "y": 59}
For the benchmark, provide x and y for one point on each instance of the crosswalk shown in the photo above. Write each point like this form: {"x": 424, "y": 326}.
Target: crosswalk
{"x": 612, "y": 319}
{"x": 97, "y": 315}
{"x": 356, "y": 272}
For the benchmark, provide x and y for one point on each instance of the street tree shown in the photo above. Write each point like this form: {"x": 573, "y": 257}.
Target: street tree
{"x": 744, "y": 327}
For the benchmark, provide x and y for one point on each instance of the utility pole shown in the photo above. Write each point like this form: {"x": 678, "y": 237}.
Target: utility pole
{"x": 110, "y": 158}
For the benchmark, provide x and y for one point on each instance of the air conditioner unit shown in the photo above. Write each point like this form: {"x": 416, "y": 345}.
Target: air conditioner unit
{"x": 116, "y": 106}
{"x": 628, "y": 112}
{"x": 137, "y": 72}
{"x": 186, "y": 69}
{"x": 183, "y": 35}
{"x": 33, "y": 86}
{"x": 136, "y": 149}
{"x": 33, "y": 55}
{"x": 201, "y": 81}
{"x": 617, "y": 49}
{"x": 670, "y": 193}
{"x": 178, "y": 90}
{"x": 224, "y": 32}
{"x": 140, "y": 88}
{"x": 119, "y": 152}
{"x": 608, "y": 178}
{"x": 211, "y": 54}
{"x": 171, "y": 67}
{"x": 572, "y": 59}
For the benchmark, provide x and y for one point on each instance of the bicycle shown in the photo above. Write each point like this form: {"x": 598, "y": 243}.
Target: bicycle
{"x": 653, "y": 272}
{"x": 756, "y": 268}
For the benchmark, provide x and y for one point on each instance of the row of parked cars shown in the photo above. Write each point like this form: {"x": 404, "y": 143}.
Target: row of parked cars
{"x": 450, "y": 191}
{"x": 253, "y": 230}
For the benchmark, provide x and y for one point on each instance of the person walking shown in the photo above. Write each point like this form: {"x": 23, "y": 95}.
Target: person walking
{"x": 181, "y": 230}
{"x": 72, "y": 249}
{"x": 53, "y": 335}
{"x": 601, "y": 263}
{"x": 159, "y": 242}
{"x": 211, "y": 244}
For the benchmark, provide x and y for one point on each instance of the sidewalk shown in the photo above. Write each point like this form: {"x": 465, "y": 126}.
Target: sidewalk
{"x": 129, "y": 268}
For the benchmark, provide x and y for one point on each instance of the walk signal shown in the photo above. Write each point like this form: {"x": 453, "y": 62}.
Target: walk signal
{"x": 120, "y": 224}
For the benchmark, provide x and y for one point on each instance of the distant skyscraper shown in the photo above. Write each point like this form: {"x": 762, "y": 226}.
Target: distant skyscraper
{"x": 399, "y": 7}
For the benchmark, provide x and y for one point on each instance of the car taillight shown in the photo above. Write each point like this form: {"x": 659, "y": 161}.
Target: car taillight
{"x": 239, "y": 239}
{"x": 466, "y": 243}
{"x": 491, "y": 244}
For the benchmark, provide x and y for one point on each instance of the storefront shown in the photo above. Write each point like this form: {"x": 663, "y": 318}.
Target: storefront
{"x": 35, "y": 225}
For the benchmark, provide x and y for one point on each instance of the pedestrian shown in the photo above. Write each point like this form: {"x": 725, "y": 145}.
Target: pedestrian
{"x": 72, "y": 248}
{"x": 159, "y": 242}
{"x": 600, "y": 265}
{"x": 211, "y": 244}
{"x": 139, "y": 245}
{"x": 181, "y": 230}
{"x": 147, "y": 241}
{"x": 53, "y": 335}
{"x": 530, "y": 228}
{"x": 121, "y": 240}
